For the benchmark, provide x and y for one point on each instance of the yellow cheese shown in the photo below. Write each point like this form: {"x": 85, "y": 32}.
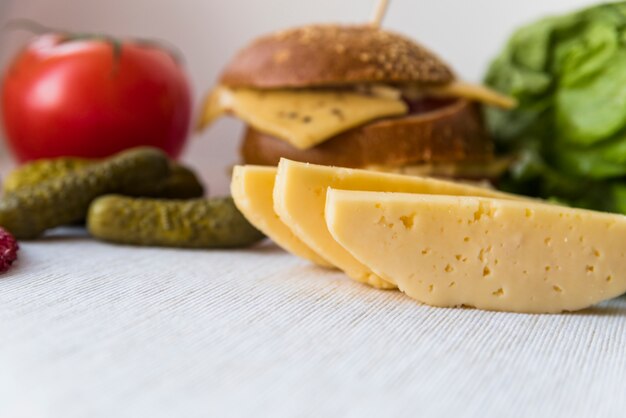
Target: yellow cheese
{"x": 493, "y": 254}
{"x": 304, "y": 118}
{"x": 300, "y": 197}
{"x": 214, "y": 107}
{"x": 470, "y": 91}
{"x": 462, "y": 169}
{"x": 251, "y": 189}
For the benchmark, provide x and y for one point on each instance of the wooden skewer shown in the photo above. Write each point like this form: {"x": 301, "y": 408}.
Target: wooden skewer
{"x": 379, "y": 13}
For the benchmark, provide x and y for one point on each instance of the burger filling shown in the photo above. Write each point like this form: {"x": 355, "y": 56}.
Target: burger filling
{"x": 304, "y": 118}
{"x": 307, "y": 117}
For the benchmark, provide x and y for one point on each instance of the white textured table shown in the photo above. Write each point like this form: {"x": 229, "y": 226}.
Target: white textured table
{"x": 94, "y": 330}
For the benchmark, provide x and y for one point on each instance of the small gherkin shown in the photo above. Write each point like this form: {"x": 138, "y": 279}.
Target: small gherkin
{"x": 39, "y": 171}
{"x": 198, "y": 223}
{"x": 30, "y": 211}
{"x": 182, "y": 183}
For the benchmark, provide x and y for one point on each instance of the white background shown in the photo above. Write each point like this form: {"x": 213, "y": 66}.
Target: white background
{"x": 466, "y": 33}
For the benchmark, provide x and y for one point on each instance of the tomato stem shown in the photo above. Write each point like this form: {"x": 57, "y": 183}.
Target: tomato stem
{"x": 116, "y": 44}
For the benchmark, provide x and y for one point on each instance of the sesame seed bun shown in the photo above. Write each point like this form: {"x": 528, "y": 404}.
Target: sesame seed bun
{"x": 334, "y": 55}
{"x": 454, "y": 133}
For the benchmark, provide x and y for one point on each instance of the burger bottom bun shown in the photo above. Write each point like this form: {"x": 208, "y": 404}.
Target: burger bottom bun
{"x": 454, "y": 133}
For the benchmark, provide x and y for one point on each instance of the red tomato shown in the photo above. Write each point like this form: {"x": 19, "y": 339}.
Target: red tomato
{"x": 75, "y": 97}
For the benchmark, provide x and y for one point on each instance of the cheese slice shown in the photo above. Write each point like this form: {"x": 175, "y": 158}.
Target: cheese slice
{"x": 303, "y": 118}
{"x": 470, "y": 91}
{"x": 459, "y": 170}
{"x": 252, "y": 188}
{"x": 300, "y": 198}
{"x": 493, "y": 254}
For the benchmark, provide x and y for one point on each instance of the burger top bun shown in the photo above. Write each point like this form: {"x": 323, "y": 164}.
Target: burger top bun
{"x": 334, "y": 55}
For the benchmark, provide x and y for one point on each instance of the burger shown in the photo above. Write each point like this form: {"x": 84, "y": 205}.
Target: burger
{"x": 355, "y": 96}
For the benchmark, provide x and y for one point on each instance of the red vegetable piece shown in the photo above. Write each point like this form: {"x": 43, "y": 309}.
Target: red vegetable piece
{"x": 94, "y": 96}
{"x": 8, "y": 250}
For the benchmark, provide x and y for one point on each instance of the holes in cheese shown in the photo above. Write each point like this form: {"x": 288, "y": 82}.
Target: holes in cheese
{"x": 511, "y": 265}
{"x": 252, "y": 188}
{"x": 304, "y": 118}
{"x": 300, "y": 197}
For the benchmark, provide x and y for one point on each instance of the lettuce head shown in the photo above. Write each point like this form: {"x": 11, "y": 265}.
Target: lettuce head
{"x": 568, "y": 133}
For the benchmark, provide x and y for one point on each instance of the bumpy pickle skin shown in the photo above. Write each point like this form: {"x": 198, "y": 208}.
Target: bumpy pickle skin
{"x": 182, "y": 183}
{"x": 198, "y": 223}
{"x": 39, "y": 171}
{"x": 30, "y": 211}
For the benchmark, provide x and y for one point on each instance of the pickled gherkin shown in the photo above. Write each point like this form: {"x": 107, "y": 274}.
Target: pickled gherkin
{"x": 30, "y": 211}
{"x": 39, "y": 171}
{"x": 182, "y": 183}
{"x": 197, "y": 223}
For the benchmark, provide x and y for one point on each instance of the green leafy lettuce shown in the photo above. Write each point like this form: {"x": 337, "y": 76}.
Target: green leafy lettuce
{"x": 568, "y": 74}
